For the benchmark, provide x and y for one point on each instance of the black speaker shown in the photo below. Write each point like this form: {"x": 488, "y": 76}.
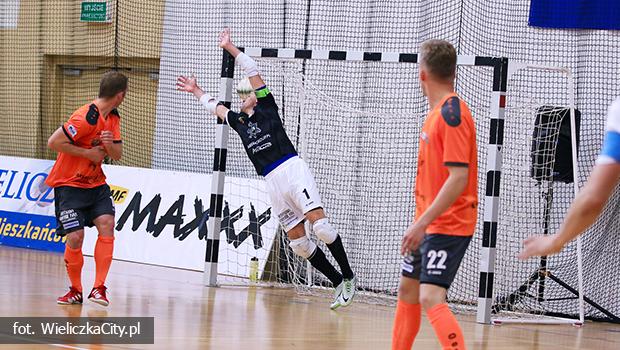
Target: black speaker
{"x": 552, "y": 136}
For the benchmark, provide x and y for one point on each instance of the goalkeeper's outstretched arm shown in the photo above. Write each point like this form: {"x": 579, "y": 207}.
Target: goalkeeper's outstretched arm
{"x": 244, "y": 61}
{"x": 189, "y": 84}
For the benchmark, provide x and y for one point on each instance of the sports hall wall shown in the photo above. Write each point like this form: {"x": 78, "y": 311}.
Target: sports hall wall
{"x": 50, "y": 63}
{"x": 43, "y": 50}
{"x": 35, "y": 95}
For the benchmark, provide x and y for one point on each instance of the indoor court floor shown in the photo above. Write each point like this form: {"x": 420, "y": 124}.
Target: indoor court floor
{"x": 191, "y": 316}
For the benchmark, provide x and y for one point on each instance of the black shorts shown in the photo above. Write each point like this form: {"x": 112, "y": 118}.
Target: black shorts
{"x": 79, "y": 207}
{"x": 437, "y": 259}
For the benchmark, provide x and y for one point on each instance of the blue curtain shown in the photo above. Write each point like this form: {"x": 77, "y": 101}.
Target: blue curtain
{"x": 575, "y": 14}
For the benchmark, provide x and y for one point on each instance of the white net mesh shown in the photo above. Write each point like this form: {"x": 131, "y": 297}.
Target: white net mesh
{"x": 532, "y": 200}
{"x": 363, "y": 153}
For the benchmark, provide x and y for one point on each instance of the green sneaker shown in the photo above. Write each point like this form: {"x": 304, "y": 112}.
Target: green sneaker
{"x": 337, "y": 294}
{"x": 344, "y": 293}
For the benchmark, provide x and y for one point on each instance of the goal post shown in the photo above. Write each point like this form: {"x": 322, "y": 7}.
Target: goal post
{"x": 541, "y": 297}
{"x": 218, "y": 176}
{"x": 497, "y": 89}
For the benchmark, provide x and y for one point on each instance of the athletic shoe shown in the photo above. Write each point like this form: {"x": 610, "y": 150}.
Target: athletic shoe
{"x": 345, "y": 293}
{"x": 337, "y": 293}
{"x": 97, "y": 295}
{"x": 73, "y": 297}
{"x": 348, "y": 292}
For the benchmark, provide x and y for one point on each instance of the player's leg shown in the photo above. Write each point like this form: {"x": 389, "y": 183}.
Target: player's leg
{"x": 305, "y": 196}
{"x": 304, "y": 247}
{"x": 70, "y": 221}
{"x": 327, "y": 233}
{"x": 74, "y": 261}
{"x": 281, "y": 183}
{"x": 447, "y": 328}
{"x": 441, "y": 258}
{"x": 292, "y": 220}
{"x": 102, "y": 213}
{"x": 408, "y": 310}
{"x": 104, "y": 249}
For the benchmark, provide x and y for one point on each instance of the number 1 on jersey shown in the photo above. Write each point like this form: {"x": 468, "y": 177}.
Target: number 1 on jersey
{"x": 305, "y": 191}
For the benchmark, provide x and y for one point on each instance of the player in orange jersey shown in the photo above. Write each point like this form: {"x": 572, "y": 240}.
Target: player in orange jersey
{"x": 446, "y": 196}
{"x": 82, "y": 197}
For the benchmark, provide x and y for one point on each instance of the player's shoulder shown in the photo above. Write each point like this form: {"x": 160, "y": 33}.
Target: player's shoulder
{"x": 114, "y": 113}
{"x": 88, "y": 112}
{"x": 613, "y": 116}
{"x": 453, "y": 110}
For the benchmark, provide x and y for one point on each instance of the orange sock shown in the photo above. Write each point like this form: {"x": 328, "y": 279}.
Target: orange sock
{"x": 406, "y": 325}
{"x": 446, "y": 327}
{"x": 74, "y": 260}
{"x": 103, "y": 258}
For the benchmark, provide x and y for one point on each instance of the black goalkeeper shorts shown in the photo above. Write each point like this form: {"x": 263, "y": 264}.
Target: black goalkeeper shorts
{"x": 437, "y": 259}
{"x": 79, "y": 207}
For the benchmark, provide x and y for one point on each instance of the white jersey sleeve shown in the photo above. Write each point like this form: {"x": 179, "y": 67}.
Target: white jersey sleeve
{"x": 611, "y": 146}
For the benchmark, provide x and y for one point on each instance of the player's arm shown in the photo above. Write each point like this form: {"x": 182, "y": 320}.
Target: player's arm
{"x": 449, "y": 192}
{"x": 589, "y": 202}
{"x": 189, "y": 84}
{"x": 60, "y": 141}
{"x": 113, "y": 148}
{"x": 244, "y": 61}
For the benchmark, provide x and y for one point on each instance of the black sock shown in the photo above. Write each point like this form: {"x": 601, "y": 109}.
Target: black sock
{"x": 320, "y": 262}
{"x": 337, "y": 250}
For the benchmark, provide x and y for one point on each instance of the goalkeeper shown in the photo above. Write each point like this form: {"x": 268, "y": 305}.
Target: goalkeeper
{"x": 292, "y": 189}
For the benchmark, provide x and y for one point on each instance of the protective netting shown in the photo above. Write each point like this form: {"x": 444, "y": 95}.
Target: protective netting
{"x": 50, "y": 63}
{"x": 363, "y": 153}
{"x": 532, "y": 198}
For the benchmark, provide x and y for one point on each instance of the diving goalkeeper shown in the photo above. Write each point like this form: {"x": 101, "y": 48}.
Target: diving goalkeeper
{"x": 292, "y": 189}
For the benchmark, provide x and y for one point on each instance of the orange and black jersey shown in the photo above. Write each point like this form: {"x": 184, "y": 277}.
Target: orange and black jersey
{"x": 84, "y": 129}
{"x": 262, "y": 133}
{"x": 448, "y": 139}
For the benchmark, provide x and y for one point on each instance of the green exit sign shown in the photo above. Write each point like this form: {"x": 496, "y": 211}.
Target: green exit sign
{"x": 96, "y": 11}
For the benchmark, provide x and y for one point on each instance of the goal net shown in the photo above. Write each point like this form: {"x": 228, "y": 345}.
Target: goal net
{"x": 359, "y": 135}
{"x": 362, "y": 152}
{"x": 536, "y": 190}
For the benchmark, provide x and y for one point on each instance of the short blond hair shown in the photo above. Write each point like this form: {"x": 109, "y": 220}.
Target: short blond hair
{"x": 112, "y": 82}
{"x": 244, "y": 88}
{"x": 439, "y": 57}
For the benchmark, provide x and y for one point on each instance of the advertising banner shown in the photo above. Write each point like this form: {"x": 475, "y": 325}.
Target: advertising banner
{"x": 161, "y": 216}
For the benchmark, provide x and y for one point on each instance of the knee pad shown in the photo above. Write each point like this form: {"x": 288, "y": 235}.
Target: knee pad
{"x": 325, "y": 231}
{"x": 303, "y": 247}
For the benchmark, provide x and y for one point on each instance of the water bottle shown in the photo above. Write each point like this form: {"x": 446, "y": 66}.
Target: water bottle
{"x": 254, "y": 269}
